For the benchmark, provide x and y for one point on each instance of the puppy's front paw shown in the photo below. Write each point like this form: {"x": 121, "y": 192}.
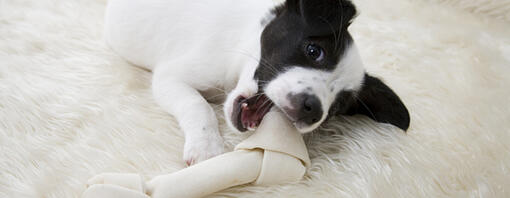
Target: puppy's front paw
{"x": 200, "y": 149}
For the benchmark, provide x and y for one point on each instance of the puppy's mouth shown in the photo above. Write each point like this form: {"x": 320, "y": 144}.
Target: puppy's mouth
{"x": 249, "y": 112}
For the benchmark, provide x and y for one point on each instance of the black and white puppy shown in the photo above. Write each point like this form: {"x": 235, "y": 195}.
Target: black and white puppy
{"x": 297, "y": 56}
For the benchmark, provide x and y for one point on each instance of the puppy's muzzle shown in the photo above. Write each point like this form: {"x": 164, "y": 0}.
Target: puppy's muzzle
{"x": 306, "y": 108}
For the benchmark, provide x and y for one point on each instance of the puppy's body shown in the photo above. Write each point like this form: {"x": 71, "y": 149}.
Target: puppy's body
{"x": 190, "y": 46}
{"x": 225, "y": 33}
{"x": 298, "y": 57}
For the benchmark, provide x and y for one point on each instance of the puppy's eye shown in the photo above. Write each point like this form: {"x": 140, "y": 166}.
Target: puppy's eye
{"x": 315, "y": 52}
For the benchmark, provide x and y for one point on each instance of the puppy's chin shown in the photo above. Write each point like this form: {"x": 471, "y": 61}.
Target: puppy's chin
{"x": 304, "y": 128}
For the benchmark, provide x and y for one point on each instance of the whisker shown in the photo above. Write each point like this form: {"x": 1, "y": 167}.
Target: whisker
{"x": 265, "y": 102}
{"x": 261, "y": 61}
{"x": 272, "y": 67}
{"x": 257, "y": 95}
{"x": 371, "y": 113}
{"x": 265, "y": 106}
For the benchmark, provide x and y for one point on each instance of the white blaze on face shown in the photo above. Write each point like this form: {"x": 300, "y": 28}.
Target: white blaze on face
{"x": 348, "y": 75}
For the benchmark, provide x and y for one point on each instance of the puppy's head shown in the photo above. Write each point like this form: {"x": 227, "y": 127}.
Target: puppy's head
{"x": 310, "y": 69}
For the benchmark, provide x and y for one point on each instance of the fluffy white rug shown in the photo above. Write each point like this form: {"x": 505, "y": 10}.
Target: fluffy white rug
{"x": 70, "y": 108}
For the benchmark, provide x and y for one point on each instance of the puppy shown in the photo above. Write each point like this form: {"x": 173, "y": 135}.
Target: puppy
{"x": 297, "y": 56}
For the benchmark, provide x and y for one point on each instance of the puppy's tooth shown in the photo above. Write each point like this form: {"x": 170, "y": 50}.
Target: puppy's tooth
{"x": 253, "y": 125}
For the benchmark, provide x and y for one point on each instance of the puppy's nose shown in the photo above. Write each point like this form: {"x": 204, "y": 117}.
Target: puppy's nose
{"x": 311, "y": 110}
{"x": 306, "y": 108}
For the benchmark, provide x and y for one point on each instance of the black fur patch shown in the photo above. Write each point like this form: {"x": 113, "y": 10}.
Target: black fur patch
{"x": 299, "y": 23}
{"x": 375, "y": 100}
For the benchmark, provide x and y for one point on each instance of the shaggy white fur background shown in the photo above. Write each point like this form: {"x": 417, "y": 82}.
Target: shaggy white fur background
{"x": 70, "y": 108}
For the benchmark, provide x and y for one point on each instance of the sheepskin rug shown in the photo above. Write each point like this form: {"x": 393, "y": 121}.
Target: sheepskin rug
{"x": 70, "y": 108}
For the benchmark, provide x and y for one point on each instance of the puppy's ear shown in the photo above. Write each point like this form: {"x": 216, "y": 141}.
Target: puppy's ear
{"x": 327, "y": 16}
{"x": 375, "y": 100}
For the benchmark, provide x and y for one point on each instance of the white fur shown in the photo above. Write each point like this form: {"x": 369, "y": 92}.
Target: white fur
{"x": 70, "y": 108}
{"x": 191, "y": 47}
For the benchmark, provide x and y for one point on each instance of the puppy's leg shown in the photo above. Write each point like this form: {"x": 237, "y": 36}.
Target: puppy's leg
{"x": 195, "y": 116}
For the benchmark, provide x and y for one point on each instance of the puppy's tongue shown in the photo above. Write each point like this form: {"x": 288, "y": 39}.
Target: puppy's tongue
{"x": 253, "y": 111}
